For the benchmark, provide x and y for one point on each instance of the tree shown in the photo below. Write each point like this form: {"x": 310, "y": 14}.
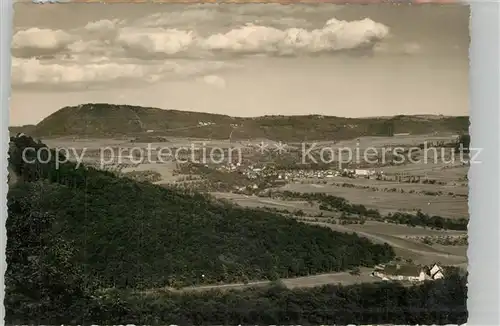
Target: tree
{"x": 41, "y": 277}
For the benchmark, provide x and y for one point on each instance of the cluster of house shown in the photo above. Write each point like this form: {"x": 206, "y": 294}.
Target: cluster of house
{"x": 205, "y": 123}
{"x": 360, "y": 173}
{"x": 412, "y": 273}
{"x": 321, "y": 174}
{"x": 228, "y": 167}
{"x": 254, "y": 172}
{"x": 245, "y": 188}
{"x": 303, "y": 174}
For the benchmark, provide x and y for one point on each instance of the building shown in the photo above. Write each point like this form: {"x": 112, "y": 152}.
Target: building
{"x": 363, "y": 173}
{"x": 412, "y": 273}
{"x": 436, "y": 272}
{"x": 360, "y": 172}
{"x": 401, "y": 273}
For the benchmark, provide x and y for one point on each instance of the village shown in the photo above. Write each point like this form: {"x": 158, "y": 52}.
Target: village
{"x": 255, "y": 172}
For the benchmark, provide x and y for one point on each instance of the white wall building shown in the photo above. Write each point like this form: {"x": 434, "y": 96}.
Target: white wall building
{"x": 363, "y": 173}
{"x": 436, "y": 272}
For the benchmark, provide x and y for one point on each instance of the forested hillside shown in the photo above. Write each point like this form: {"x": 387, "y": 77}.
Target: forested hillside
{"x": 82, "y": 243}
{"x": 108, "y": 120}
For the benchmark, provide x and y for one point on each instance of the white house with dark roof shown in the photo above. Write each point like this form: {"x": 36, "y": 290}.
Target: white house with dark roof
{"x": 436, "y": 272}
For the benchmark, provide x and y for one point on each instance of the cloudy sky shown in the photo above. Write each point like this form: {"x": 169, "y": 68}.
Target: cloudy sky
{"x": 241, "y": 60}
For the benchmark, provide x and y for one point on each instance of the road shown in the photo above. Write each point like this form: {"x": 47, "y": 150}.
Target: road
{"x": 295, "y": 282}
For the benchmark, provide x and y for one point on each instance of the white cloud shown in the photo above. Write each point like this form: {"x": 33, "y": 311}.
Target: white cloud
{"x": 145, "y": 50}
{"x": 335, "y": 35}
{"x": 36, "y": 41}
{"x": 107, "y": 38}
{"x": 101, "y": 26}
{"x": 215, "y": 81}
{"x": 156, "y": 40}
{"x": 32, "y": 71}
{"x": 96, "y": 71}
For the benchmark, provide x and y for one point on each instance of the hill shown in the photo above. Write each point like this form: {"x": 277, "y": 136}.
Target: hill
{"x": 128, "y": 234}
{"x": 75, "y": 233}
{"x": 104, "y": 120}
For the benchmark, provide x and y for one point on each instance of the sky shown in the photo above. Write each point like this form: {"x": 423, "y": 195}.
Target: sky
{"x": 241, "y": 60}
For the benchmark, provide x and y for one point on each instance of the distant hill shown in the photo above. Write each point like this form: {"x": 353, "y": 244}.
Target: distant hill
{"x": 105, "y": 120}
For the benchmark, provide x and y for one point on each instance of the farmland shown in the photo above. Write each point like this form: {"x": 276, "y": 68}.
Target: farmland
{"x": 399, "y": 236}
{"x": 387, "y": 202}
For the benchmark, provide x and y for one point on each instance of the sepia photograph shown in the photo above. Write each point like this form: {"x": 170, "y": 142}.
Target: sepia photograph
{"x": 230, "y": 164}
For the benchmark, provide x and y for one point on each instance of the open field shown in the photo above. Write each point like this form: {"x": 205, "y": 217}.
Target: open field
{"x": 455, "y": 250}
{"x": 171, "y": 142}
{"x": 402, "y": 230}
{"x": 406, "y": 187}
{"x": 437, "y": 171}
{"x": 392, "y": 234}
{"x": 379, "y": 142}
{"x": 165, "y": 169}
{"x": 88, "y": 143}
{"x": 387, "y": 202}
{"x": 255, "y": 202}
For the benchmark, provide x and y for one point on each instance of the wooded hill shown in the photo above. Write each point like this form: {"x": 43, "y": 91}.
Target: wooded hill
{"x": 107, "y": 120}
{"x": 75, "y": 233}
{"x": 129, "y": 234}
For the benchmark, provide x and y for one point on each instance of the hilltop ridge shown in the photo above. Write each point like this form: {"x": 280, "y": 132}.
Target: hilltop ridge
{"x": 109, "y": 120}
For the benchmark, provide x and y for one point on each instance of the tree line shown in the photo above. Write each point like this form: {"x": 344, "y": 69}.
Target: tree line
{"x": 439, "y": 302}
{"x": 339, "y": 204}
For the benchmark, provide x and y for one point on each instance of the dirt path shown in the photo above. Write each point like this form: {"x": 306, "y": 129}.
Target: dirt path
{"x": 295, "y": 282}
